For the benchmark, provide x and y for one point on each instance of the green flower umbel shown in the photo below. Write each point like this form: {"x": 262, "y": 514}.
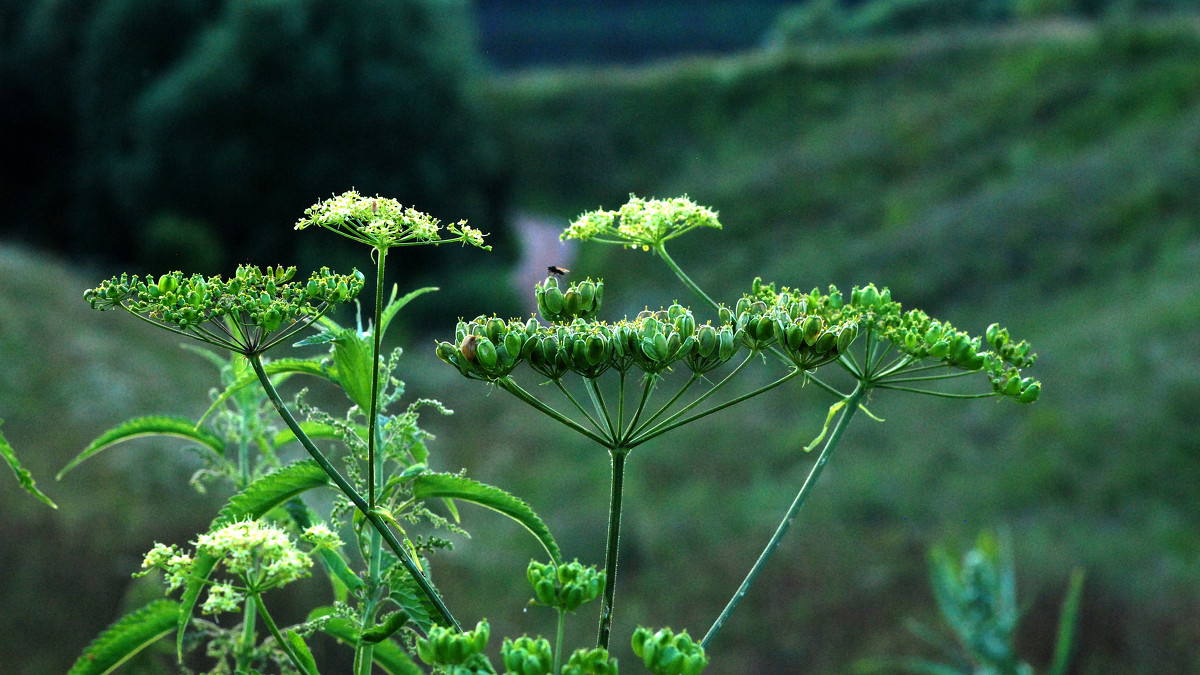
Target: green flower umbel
{"x": 647, "y": 223}
{"x": 247, "y": 314}
{"x": 384, "y": 223}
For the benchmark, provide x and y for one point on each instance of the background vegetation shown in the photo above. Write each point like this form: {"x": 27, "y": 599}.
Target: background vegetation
{"x": 1037, "y": 167}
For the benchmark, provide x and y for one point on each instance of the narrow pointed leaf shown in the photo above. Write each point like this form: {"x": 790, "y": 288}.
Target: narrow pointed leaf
{"x": 443, "y": 485}
{"x": 150, "y": 425}
{"x": 394, "y": 306}
{"x": 23, "y": 476}
{"x": 1066, "y": 624}
{"x": 300, "y": 649}
{"x": 201, "y": 568}
{"x": 129, "y": 635}
{"x": 272, "y": 490}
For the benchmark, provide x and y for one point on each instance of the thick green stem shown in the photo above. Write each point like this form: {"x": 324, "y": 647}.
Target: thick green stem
{"x": 445, "y": 618}
{"x": 377, "y": 335}
{"x": 610, "y": 555}
{"x": 246, "y": 643}
{"x": 851, "y": 406}
{"x": 558, "y": 639}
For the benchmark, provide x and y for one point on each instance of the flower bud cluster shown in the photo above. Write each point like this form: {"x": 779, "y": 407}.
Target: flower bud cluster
{"x": 665, "y": 653}
{"x": 810, "y": 329}
{"x": 566, "y": 586}
{"x": 254, "y": 298}
{"x": 642, "y": 222}
{"x": 527, "y": 656}
{"x": 581, "y": 300}
{"x": 447, "y": 647}
{"x": 590, "y": 662}
{"x": 489, "y": 348}
{"x": 384, "y": 223}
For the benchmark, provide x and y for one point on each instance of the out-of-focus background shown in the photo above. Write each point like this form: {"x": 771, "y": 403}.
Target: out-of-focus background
{"x": 1033, "y": 162}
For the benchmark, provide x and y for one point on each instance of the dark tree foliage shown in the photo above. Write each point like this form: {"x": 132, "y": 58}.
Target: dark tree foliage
{"x": 215, "y": 123}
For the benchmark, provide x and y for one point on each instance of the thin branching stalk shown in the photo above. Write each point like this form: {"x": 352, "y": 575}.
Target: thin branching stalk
{"x": 851, "y": 405}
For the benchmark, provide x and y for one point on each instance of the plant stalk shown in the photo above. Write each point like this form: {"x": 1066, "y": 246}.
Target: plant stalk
{"x": 611, "y": 548}
{"x": 376, "y": 334}
{"x": 851, "y": 406}
{"x": 347, "y": 489}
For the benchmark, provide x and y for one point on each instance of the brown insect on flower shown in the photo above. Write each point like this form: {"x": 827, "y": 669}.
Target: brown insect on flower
{"x": 557, "y": 271}
{"x": 469, "y": 346}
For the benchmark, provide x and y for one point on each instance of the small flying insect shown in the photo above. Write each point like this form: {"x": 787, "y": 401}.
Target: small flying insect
{"x": 557, "y": 271}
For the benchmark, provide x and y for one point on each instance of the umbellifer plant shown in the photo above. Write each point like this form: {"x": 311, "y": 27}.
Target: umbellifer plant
{"x": 618, "y": 383}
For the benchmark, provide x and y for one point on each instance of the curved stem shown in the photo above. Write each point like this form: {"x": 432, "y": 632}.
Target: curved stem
{"x": 647, "y": 388}
{"x": 610, "y": 554}
{"x": 851, "y": 406}
{"x": 668, "y": 425}
{"x": 661, "y": 249}
{"x": 578, "y": 405}
{"x": 687, "y": 385}
{"x": 699, "y": 399}
{"x": 347, "y": 489}
{"x": 279, "y": 639}
{"x": 510, "y": 385}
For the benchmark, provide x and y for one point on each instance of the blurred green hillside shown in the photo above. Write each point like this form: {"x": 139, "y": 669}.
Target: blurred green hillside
{"x": 1044, "y": 175}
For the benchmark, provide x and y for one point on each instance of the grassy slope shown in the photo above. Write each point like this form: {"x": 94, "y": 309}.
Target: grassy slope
{"x": 1048, "y": 183}
{"x": 1045, "y": 178}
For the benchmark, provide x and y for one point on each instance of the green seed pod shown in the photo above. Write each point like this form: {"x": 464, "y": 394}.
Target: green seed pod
{"x": 551, "y": 303}
{"x": 706, "y": 341}
{"x": 674, "y": 342}
{"x": 587, "y": 294}
{"x": 1012, "y": 387}
{"x": 868, "y": 297}
{"x": 167, "y": 283}
{"x": 812, "y": 325}
{"x": 596, "y": 348}
{"x": 794, "y": 337}
{"x": 724, "y": 315}
{"x": 446, "y": 352}
{"x": 1031, "y": 393}
{"x": 939, "y": 349}
{"x": 485, "y": 353}
{"x": 495, "y": 329}
{"x": 513, "y": 342}
{"x": 572, "y": 303}
{"x": 835, "y": 298}
{"x": 825, "y": 342}
{"x": 845, "y": 337}
{"x": 598, "y": 297}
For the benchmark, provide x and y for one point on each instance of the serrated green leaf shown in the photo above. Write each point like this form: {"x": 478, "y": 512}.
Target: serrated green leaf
{"x": 23, "y": 476}
{"x": 272, "y": 490}
{"x": 129, "y": 635}
{"x": 442, "y": 485}
{"x": 387, "y": 654}
{"x": 202, "y": 566}
{"x": 150, "y": 425}
{"x": 415, "y": 604}
{"x": 285, "y": 367}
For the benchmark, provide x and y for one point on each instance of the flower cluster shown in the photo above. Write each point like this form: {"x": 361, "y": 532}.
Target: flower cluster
{"x": 666, "y": 653}
{"x": 581, "y": 299}
{"x": 590, "y": 662}
{"x": 527, "y": 656}
{"x": 259, "y": 556}
{"x": 384, "y": 223}
{"x": 566, "y": 586}
{"x": 247, "y": 314}
{"x": 915, "y": 334}
{"x": 447, "y": 647}
{"x": 808, "y": 328}
{"x": 642, "y": 222}
{"x": 489, "y": 348}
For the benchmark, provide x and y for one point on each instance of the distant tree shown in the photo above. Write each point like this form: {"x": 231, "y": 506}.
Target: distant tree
{"x": 239, "y": 113}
